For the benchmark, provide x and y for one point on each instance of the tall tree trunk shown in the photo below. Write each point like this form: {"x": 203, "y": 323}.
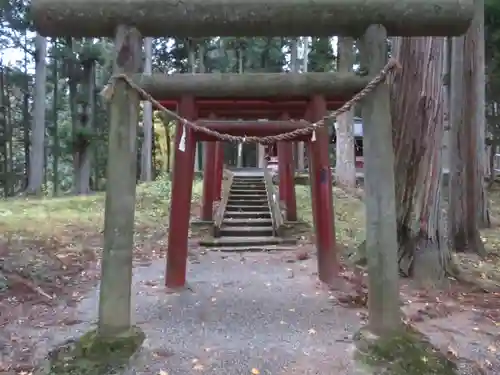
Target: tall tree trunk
{"x": 11, "y": 178}
{"x": 26, "y": 115}
{"x": 201, "y": 69}
{"x": 55, "y": 112}
{"x": 294, "y": 67}
{"x": 82, "y": 137}
{"x": 147, "y": 119}
{"x": 191, "y": 52}
{"x": 345, "y": 167}
{"x": 301, "y": 164}
{"x": 200, "y": 146}
{"x": 35, "y": 173}
{"x": 418, "y": 130}
{"x": 4, "y": 170}
{"x": 168, "y": 140}
{"x": 73, "y": 106}
{"x": 468, "y": 206}
{"x": 476, "y": 98}
{"x": 239, "y": 157}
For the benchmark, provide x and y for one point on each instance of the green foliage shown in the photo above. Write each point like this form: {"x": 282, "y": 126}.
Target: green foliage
{"x": 66, "y": 57}
{"x": 321, "y": 57}
{"x": 82, "y": 138}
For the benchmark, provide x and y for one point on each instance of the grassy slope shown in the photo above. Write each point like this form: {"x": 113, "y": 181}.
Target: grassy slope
{"x": 44, "y": 239}
{"x": 46, "y": 216}
{"x": 349, "y": 215}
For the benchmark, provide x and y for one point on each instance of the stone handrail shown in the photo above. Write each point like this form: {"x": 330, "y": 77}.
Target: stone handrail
{"x": 227, "y": 181}
{"x": 274, "y": 203}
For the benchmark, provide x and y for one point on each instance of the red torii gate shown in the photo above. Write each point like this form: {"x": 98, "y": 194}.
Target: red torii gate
{"x": 219, "y": 115}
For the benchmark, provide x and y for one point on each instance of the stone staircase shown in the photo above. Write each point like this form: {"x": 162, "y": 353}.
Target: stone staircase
{"x": 247, "y": 224}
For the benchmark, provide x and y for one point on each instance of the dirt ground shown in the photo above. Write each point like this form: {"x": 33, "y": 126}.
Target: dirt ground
{"x": 50, "y": 251}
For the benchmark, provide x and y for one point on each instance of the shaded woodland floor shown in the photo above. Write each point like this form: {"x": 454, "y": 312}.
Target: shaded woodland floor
{"x": 50, "y": 254}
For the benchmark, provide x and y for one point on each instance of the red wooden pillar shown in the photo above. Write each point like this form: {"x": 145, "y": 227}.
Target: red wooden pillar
{"x": 209, "y": 179}
{"x": 282, "y": 170}
{"x": 310, "y": 155}
{"x": 283, "y": 161}
{"x": 219, "y": 169}
{"x": 180, "y": 206}
{"x": 286, "y": 171}
{"x": 324, "y": 222}
{"x": 291, "y": 201}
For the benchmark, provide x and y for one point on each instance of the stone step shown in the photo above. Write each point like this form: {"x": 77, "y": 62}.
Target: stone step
{"x": 256, "y": 181}
{"x": 249, "y": 182}
{"x": 248, "y": 187}
{"x": 245, "y": 215}
{"x": 243, "y": 241}
{"x": 248, "y": 196}
{"x": 248, "y": 192}
{"x": 243, "y": 208}
{"x": 249, "y": 177}
{"x": 245, "y": 181}
{"x": 239, "y": 178}
{"x": 255, "y": 193}
{"x": 246, "y": 202}
{"x": 259, "y": 222}
{"x": 253, "y": 248}
{"x": 247, "y": 231}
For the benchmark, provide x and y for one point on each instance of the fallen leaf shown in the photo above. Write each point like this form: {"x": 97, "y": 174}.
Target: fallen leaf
{"x": 255, "y": 371}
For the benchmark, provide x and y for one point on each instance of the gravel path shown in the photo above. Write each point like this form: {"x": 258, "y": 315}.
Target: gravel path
{"x": 257, "y": 312}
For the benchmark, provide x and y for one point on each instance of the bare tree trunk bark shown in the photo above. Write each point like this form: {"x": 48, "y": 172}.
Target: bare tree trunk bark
{"x": 192, "y": 69}
{"x": 84, "y": 130}
{"x": 55, "y": 111}
{"x": 301, "y": 165}
{"x": 147, "y": 118}
{"x": 476, "y": 71}
{"x": 418, "y": 131}
{"x": 294, "y": 67}
{"x": 201, "y": 69}
{"x": 468, "y": 205}
{"x": 168, "y": 139}
{"x": 26, "y": 115}
{"x": 5, "y": 139}
{"x": 239, "y": 159}
{"x": 35, "y": 173}
{"x": 345, "y": 168}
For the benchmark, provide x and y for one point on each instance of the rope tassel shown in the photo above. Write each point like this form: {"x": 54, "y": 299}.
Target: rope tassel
{"x": 182, "y": 141}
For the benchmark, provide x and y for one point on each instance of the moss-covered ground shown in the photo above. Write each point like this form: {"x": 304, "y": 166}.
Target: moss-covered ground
{"x": 405, "y": 353}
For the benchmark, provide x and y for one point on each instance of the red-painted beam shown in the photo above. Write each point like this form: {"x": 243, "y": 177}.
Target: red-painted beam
{"x": 251, "y": 114}
{"x": 292, "y": 102}
{"x": 250, "y": 128}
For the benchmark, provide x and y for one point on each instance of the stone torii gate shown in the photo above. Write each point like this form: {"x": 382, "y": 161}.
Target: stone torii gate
{"x": 128, "y": 21}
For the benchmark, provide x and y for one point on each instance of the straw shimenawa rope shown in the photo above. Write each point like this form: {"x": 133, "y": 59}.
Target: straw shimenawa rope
{"x": 392, "y": 65}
